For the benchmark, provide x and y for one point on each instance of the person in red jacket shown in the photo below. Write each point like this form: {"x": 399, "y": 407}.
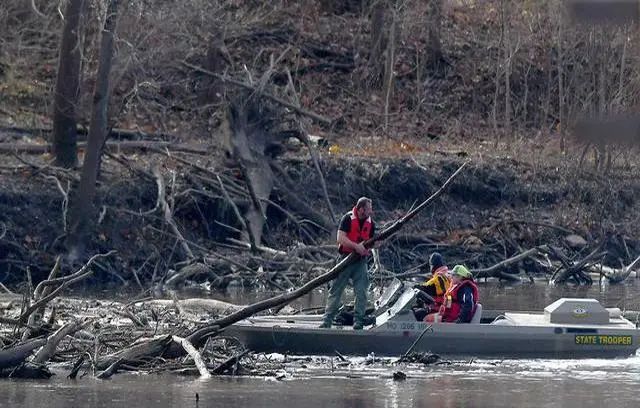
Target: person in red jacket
{"x": 355, "y": 227}
{"x": 461, "y": 298}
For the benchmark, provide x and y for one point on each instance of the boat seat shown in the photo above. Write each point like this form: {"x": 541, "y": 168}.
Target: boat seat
{"x": 477, "y": 315}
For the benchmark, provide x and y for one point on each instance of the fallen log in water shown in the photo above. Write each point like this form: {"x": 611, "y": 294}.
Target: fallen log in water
{"x": 28, "y": 371}
{"x": 194, "y": 354}
{"x": 495, "y": 270}
{"x": 137, "y": 351}
{"x": 111, "y": 370}
{"x": 575, "y": 270}
{"x": 196, "y": 305}
{"x": 49, "y": 349}
{"x": 612, "y": 274}
{"x": 16, "y": 355}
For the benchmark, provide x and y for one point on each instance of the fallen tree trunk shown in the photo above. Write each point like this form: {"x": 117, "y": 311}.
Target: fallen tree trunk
{"x": 28, "y": 371}
{"x": 196, "y": 305}
{"x": 111, "y": 146}
{"x": 111, "y": 370}
{"x": 133, "y": 354}
{"x": 15, "y": 355}
{"x": 495, "y": 270}
{"x": 576, "y": 270}
{"x": 612, "y": 274}
{"x": 49, "y": 349}
{"x": 191, "y": 270}
{"x": 194, "y": 354}
{"x": 82, "y": 131}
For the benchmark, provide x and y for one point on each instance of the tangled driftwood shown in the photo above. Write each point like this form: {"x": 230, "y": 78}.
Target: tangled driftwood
{"x": 150, "y": 348}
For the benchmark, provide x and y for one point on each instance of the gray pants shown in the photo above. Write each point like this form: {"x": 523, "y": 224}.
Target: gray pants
{"x": 357, "y": 272}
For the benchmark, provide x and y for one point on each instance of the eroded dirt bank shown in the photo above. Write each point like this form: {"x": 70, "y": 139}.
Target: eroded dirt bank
{"x": 497, "y": 208}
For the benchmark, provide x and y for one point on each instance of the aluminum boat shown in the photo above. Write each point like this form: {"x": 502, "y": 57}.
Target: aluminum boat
{"x": 567, "y": 328}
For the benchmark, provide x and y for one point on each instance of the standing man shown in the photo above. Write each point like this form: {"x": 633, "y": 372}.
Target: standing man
{"x": 355, "y": 227}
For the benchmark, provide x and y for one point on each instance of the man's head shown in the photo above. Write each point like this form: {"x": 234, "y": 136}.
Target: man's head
{"x": 364, "y": 208}
{"x": 435, "y": 261}
{"x": 460, "y": 272}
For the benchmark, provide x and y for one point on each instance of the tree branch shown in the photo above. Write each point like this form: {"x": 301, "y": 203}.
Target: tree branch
{"x": 224, "y": 78}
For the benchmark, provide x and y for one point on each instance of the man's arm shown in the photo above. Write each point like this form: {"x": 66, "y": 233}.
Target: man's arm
{"x": 347, "y": 243}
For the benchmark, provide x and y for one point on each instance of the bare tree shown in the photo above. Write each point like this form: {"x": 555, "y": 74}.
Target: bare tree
{"x": 508, "y": 57}
{"x": 83, "y": 207}
{"x": 434, "y": 57}
{"x": 377, "y": 46}
{"x": 67, "y": 87}
{"x": 390, "y": 60}
{"x": 561, "y": 92}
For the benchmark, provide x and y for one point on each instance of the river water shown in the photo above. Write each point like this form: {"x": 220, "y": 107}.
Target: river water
{"x": 474, "y": 383}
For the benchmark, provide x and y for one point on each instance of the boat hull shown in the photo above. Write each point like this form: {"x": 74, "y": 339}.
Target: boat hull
{"x": 480, "y": 340}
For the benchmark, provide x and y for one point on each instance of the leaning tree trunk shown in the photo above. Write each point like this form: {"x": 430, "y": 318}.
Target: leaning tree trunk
{"x": 67, "y": 88}
{"x": 83, "y": 208}
{"x": 248, "y": 139}
{"x": 216, "y": 61}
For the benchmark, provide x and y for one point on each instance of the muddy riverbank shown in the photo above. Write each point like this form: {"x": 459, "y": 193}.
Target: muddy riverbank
{"x": 496, "y": 209}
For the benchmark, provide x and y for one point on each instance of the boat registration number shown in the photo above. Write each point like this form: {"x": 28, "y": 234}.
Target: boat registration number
{"x": 603, "y": 340}
{"x": 407, "y": 326}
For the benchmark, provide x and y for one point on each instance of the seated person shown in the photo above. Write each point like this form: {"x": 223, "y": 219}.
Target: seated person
{"x": 461, "y": 299}
{"x": 435, "y": 287}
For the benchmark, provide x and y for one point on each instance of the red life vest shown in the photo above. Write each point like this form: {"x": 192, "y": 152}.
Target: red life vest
{"x": 450, "y": 309}
{"x": 357, "y": 233}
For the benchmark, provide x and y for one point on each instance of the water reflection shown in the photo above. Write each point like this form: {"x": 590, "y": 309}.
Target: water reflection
{"x": 525, "y": 383}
